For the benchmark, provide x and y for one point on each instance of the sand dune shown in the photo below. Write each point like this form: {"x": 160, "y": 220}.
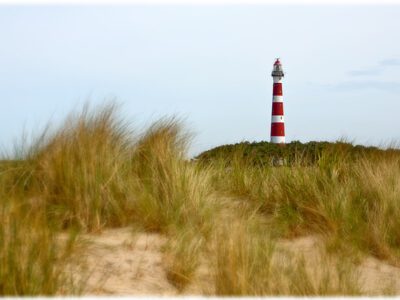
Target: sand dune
{"x": 123, "y": 262}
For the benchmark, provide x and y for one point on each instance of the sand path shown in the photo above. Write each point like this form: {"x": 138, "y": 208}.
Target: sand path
{"x": 125, "y": 263}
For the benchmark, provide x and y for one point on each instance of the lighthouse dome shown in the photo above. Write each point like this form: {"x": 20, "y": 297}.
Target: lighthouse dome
{"x": 277, "y": 69}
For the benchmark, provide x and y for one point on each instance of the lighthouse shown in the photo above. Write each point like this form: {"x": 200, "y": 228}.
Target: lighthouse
{"x": 277, "y": 118}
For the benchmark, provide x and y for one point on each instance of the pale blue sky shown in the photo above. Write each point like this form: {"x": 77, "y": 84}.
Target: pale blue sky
{"x": 210, "y": 64}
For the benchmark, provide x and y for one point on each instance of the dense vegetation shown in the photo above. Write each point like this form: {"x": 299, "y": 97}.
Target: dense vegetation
{"x": 293, "y": 153}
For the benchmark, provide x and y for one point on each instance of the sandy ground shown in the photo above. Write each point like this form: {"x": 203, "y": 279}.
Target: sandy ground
{"x": 120, "y": 262}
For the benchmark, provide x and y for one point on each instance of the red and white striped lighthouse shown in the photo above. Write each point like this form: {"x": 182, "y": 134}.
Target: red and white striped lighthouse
{"x": 277, "y": 119}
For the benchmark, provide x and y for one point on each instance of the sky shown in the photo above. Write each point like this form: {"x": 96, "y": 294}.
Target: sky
{"x": 210, "y": 65}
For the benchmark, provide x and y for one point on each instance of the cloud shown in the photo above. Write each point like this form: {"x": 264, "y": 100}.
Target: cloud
{"x": 388, "y": 86}
{"x": 390, "y": 62}
{"x": 365, "y": 72}
{"x": 376, "y": 70}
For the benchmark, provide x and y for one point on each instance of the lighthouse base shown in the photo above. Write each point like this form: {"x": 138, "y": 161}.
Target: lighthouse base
{"x": 278, "y": 139}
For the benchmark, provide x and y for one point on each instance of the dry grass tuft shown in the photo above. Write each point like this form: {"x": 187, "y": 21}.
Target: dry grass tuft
{"x": 248, "y": 262}
{"x": 32, "y": 260}
{"x": 79, "y": 171}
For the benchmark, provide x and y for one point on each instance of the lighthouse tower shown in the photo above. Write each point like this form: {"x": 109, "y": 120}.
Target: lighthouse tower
{"x": 277, "y": 119}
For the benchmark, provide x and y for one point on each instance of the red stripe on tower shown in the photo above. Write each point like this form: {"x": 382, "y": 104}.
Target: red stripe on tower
{"x": 277, "y": 91}
{"x": 277, "y": 119}
{"x": 277, "y": 108}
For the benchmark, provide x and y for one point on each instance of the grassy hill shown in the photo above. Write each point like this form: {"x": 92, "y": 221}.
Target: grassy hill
{"x": 263, "y": 153}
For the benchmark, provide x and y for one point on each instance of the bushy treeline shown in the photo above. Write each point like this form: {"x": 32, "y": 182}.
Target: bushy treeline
{"x": 265, "y": 153}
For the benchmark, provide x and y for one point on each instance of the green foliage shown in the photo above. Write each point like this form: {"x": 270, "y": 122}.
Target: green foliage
{"x": 293, "y": 153}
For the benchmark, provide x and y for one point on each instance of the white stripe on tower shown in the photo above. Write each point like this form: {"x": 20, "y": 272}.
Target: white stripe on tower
{"x": 278, "y": 139}
{"x": 277, "y": 119}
